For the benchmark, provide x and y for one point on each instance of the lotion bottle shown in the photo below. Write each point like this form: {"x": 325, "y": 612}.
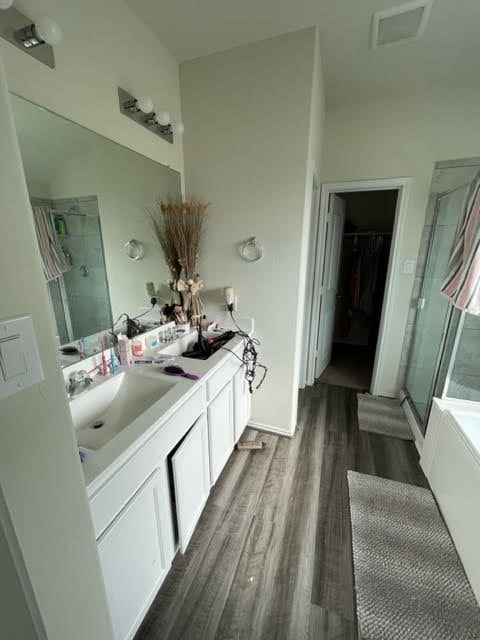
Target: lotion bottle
{"x": 124, "y": 350}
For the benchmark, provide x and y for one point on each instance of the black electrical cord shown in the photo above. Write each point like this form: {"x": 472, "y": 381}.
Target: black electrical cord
{"x": 147, "y": 311}
{"x": 249, "y": 355}
{"x": 127, "y": 317}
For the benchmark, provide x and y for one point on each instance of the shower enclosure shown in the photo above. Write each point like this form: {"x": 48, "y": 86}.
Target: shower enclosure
{"x": 444, "y": 343}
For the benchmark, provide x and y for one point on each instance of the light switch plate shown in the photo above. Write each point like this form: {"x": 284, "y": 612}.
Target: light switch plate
{"x": 20, "y": 365}
{"x": 408, "y": 267}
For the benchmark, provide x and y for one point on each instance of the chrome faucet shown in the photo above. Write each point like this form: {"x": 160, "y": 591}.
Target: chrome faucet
{"x": 78, "y": 380}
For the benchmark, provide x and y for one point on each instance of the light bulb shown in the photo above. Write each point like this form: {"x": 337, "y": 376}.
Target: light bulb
{"x": 179, "y": 128}
{"x": 6, "y": 4}
{"x": 163, "y": 118}
{"x": 48, "y": 30}
{"x": 145, "y": 104}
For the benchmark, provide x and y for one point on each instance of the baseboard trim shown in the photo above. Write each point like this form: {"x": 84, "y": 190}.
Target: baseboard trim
{"x": 270, "y": 429}
{"x": 412, "y": 421}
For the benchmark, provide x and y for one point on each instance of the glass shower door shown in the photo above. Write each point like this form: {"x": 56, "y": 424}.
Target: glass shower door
{"x": 433, "y": 309}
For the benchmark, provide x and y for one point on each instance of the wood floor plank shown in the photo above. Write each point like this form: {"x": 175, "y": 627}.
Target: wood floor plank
{"x": 328, "y": 625}
{"x": 202, "y": 597}
{"x": 271, "y": 556}
{"x": 278, "y": 555}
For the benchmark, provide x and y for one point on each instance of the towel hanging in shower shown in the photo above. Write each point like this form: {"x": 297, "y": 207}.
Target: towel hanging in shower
{"x": 53, "y": 257}
{"x": 462, "y": 283}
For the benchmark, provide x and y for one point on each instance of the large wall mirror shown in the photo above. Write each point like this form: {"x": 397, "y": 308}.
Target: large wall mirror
{"x": 89, "y": 198}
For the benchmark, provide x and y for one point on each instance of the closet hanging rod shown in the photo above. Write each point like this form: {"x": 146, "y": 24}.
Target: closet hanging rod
{"x": 351, "y": 234}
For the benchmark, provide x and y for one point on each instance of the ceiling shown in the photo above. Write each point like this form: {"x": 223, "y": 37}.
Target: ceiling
{"x": 448, "y": 53}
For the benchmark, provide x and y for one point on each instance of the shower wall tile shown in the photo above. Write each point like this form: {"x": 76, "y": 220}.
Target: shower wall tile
{"x": 88, "y": 206}
{"x": 90, "y": 226}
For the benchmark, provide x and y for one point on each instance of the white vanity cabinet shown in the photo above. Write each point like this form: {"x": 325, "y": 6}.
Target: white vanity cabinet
{"x": 242, "y": 402}
{"x": 191, "y": 475}
{"x": 135, "y": 552}
{"x": 220, "y": 430}
{"x": 159, "y": 488}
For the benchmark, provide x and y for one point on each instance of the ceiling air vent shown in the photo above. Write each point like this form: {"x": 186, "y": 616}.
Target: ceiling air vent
{"x": 398, "y": 24}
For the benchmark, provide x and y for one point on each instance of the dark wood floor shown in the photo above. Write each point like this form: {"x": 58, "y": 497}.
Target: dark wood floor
{"x": 270, "y": 557}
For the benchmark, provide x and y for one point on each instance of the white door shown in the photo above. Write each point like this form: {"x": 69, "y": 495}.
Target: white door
{"x": 191, "y": 476}
{"x": 332, "y": 249}
{"x": 220, "y": 430}
{"x": 132, "y": 555}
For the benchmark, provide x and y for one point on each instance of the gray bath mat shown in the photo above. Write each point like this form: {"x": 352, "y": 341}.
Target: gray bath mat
{"x": 383, "y": 415}
{"x": 409, "y": 581}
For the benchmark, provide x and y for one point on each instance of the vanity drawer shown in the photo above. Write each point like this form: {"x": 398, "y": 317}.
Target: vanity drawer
{"x": 219, "y": 379}
{"x": 114, "y": 495}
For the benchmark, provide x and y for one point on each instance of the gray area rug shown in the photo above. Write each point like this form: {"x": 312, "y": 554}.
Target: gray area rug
{"x": 409, "y": 581}
{"x": 383, "y": 415}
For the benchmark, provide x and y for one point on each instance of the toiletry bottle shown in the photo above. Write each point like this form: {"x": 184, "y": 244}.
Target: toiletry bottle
{"x": 113, "y": 360}
{"x": 137, "y": 347}
{"x": 105, "y": 370}
{"x": 124, "y": 350}
{"x": 151, "y": 341}
{"x": 60, "y": 225}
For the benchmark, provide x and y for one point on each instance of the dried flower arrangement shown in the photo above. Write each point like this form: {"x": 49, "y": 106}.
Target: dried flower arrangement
{"x": 179, "y": 227}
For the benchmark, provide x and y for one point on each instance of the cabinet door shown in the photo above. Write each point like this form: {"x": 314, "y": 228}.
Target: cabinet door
{"x": 191, "y": 477}
{"x": 136, "y": 551}
{"x": 242, "y": 402}
{"x": 220, "y": 430}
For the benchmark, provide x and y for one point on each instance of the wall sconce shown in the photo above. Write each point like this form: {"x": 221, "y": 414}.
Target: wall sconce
{"x": 142, "y": 111}
{"x": 35, "y": 38}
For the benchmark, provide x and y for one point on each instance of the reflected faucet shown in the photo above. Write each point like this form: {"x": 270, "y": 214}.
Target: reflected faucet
{"x": 78, "y": 380}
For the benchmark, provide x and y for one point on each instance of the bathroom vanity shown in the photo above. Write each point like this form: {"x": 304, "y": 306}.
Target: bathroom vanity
{"x": 148, "y": 483}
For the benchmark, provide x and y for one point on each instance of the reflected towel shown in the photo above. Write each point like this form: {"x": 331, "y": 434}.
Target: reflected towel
{"x": 53, "y": 257}
{"x": 462, "y": 283}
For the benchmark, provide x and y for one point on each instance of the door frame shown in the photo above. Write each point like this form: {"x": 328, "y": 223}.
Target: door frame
{"x": 402, "y": 185}
{"x": 309, "y": 280}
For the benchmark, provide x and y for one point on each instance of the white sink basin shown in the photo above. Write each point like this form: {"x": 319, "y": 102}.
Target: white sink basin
{"x": 185, "y": 343}
{"x": 101, "y": 413}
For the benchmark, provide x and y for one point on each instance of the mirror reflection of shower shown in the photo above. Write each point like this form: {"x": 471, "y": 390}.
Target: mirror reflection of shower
{"x": 80, "y": 297}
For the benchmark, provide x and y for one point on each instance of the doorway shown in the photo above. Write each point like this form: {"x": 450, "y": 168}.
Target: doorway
{"x": 356, "y": 259}
{"x": 364, "y": 251}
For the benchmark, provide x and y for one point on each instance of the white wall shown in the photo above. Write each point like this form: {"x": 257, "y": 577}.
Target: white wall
{"x": 400, "y": 137}
{"x": 16, "y": 620}
{"x": 40, "y": 474}
{"x": 104, "y": 46}
{"x": 247, "y": 113}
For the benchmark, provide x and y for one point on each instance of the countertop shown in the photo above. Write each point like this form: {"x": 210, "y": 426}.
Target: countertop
{"x": 99, "y": 465}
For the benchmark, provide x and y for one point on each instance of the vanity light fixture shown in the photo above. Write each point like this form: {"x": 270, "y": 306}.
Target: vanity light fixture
{"x": 45, "y": 30}
{"x": 33, "y": 37}
{"x": 142, "y": 111}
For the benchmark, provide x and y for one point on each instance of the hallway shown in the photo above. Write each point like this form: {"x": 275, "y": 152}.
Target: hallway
{"x": 271, "y": 555}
